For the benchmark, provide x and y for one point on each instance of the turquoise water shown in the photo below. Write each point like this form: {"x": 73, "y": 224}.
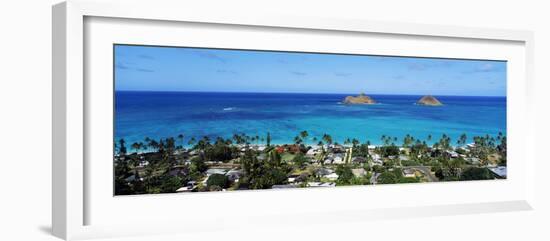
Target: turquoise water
{"x": 193, "y": 114}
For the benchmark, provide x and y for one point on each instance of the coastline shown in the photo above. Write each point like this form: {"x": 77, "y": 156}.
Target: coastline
{"x": 238, "y": 164}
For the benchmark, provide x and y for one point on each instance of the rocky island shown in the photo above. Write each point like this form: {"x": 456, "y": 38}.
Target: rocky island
{"x": 360, "y": 99}
{"x": 429, "y": 100}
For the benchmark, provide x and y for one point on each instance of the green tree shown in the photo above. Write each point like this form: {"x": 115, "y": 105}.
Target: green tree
{"x": 345, "y": 175}
{"x": 136, "y": 146}
{"x": 298, "y": 140}
{"x": 388, "y": 178}
{"x": 476, "y": 173}
{"x": 327, "y": 138}
{"x": 354, "y": 142}
{"x": 192, "y": 141}
{"x": 169, "y": 184}
{"x": 219, "y": 180}
{"x": 121, "y": 147}
{"x": 300, "y": 160}
{"x": 180, "y": 138}
{"x": 304, "y": 135}
{"x": 388, "y": 150}
{"x": 263, "y": 174}
{"x": 462, "y": 139}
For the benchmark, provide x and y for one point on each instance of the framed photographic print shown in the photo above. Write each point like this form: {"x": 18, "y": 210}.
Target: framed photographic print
{"x": 191, "y": 119}
{"x": 170, "y": 113}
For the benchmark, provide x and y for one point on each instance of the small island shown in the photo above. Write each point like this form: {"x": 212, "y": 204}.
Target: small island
{"x": 429, "y": 100}
{"x": 360, "y": 99}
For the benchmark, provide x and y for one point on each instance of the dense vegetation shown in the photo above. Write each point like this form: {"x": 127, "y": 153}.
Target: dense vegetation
{"x": 166, "y": 165}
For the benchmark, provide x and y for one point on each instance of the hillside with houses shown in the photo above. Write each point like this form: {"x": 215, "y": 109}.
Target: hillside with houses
{"x": 169, "y": 166}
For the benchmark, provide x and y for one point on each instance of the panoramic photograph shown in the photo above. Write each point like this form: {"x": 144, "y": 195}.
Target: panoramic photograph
{"x": 212, "y": 120}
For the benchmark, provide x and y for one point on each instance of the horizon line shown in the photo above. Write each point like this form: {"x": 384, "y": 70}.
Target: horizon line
{"x": 261, "y": 92}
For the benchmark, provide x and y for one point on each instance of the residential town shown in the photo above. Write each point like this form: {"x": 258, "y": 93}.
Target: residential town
{"x": 175, "y": 164}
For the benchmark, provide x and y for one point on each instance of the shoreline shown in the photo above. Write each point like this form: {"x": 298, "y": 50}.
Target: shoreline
{"x": 257, "y": 146}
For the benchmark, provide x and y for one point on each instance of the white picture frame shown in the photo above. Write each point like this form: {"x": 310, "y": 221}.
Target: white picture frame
{"x": 72, "y": 192}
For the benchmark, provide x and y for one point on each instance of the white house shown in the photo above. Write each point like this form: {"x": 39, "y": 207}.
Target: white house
{"x": 332, "y": 176}
{"x": 359, "y": 172}
{"x": 499, "y": 171}
{"x": 234, "y": 174}
{"x": 338, "y": 159}
{"x": 409, "y": 172}
{"x": 328, "y": 160}
{"x": 312, "y": 152}
{"x": 215, "y": 171}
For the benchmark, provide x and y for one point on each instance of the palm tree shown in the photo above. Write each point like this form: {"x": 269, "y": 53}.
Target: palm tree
{"x": 304, "y": 135}
{"x": 354, "y": 142}
{"x": 462, "y": 139}
{"x": 154, "y": 145}
{"x": 180, "y": 137}
{"x": 122, "y": 147}
{"x": 136, "y": 146}
{"x": 192, "y": 141}
{"x": 297, "y": 140}
{"x": 347, "y": 141}
{"x": 327, "y": 138}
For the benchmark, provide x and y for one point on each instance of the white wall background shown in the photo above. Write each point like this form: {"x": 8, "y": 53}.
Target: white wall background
{"x": 25, "y": 100}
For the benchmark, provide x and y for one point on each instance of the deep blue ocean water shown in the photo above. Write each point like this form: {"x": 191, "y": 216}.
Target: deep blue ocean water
{"x": 193, "y": 114}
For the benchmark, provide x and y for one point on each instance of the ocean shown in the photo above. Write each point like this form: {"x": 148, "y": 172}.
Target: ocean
{"x": 197, "y": 114}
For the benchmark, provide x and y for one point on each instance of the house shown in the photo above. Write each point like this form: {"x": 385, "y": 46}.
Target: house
{"x": 324, "y": 171}
{"x": 321, "y": 184}
{"x": 292, "y": 178}
{"x": 234, "y": 175}
{"x": 499, "y": 172}
{"x": 405, "y": 150}
{"x": 359, "y": 159}
{"x": 338, "y": 149}
{"x": 338, "y": 159}
{"x": 452, "y": 154}
{"x": 312, "y": 152}
{"x": 473, "y": 160}
{"x": 359, "y": 172}
{"x": 374, "y": 178}
{"x": 403, "y": 158}
{"x": 328, "y": 160}
{"x": 262, "y": 157}
{"x": 178, "y": 172}
{"x": 184, "y": 189}
{"x": 143, "y": 163}
{"x": 409, "y": 172}
{"x": 215, "y": 171}
{"x": 293, "y": 148}
{"x": 377, "y": 162}
{"x": 332, "y": 176}
{"x": 190, "y": 186}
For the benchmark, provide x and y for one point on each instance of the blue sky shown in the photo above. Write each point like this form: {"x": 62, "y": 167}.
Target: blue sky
{"x": 147, "y": 68}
